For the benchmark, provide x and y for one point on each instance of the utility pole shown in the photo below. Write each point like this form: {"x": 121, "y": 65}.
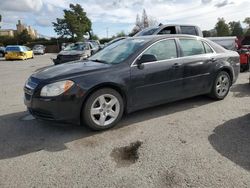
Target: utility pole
{"x": 107, "y": 30}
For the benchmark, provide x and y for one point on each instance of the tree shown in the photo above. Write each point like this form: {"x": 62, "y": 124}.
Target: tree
{"x": 236, "y": 28}
{"x": 120, "y": 34}
{"x": 222, "y": 27}
{"x": 23, "y": 37}
{"x": 75, "y": 23}
{"x": 144, "y": 19}
{"x": 206, "y": 33}
{"x": 94, "y": 37}
{"x": 247, "y": 21}
{"x": 144, "y": 22}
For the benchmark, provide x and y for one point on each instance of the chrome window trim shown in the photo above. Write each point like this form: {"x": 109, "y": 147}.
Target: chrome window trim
{"x": 134, "y": 65}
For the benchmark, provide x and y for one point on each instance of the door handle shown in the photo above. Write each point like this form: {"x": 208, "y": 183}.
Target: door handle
{"x": 176, "y": 66}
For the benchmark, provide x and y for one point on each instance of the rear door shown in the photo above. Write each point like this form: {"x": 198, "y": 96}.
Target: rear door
{"x": 198, "y": 59}
{"x": 160, "y": 80}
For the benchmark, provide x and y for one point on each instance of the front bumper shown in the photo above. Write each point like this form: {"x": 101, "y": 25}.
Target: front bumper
{"x": 65, "y": 108}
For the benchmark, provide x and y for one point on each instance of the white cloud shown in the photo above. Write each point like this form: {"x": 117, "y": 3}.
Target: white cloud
{"x": 21, "y": 6}
{"x": 123, "y": 12}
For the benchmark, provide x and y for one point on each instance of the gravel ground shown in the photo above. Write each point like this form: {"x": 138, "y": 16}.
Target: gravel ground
{"x": 191, "y": 143}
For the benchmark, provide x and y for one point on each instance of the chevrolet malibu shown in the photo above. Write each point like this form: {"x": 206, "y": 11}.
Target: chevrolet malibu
{"x": 129, "y": 75}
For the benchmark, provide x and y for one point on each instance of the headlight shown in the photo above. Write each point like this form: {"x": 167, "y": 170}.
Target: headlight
{"x": 56, "y": 88}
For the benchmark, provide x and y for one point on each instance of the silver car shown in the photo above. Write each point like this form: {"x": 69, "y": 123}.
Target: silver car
{"x": 39, "y": 49}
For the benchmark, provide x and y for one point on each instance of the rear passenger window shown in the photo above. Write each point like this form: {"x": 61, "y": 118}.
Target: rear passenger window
{"x": 190, "y": 30}
{"x": 191, "y": 47}
{"x": 207, "y": 48}
{"x": 163, "y": 50}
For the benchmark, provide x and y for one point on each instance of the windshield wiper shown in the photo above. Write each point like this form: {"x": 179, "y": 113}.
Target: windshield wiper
{"x": 98, "y": 60}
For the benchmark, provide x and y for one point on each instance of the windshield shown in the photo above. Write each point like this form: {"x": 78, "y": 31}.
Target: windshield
{"x": 148, "y": 31}
{"x": 38, "y": 47}
{"x": 13, "y": 49}
{"x": 76, "y": 46}
{"x": 118, "y": 51}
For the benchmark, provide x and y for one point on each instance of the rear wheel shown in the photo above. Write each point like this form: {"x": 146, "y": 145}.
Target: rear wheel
{"x": 221, "y": 86}
{"x": 103, "y": 109}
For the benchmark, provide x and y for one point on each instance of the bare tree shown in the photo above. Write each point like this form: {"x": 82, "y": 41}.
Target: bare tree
{"x": 144, "y": 22}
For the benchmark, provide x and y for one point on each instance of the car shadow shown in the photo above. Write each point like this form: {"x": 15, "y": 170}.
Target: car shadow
{"x": 232, "y": 140}
{"x": 20, "y": 135}
{"x": 241, "y": 90}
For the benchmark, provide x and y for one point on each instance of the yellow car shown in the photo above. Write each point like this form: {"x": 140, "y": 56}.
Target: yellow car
{"x": 18, "y": 52}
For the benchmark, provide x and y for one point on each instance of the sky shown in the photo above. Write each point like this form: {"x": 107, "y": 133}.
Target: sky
{"x": 119, "y": 15}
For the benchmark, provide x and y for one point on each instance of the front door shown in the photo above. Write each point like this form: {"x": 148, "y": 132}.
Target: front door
{"x": 160, "y": 80}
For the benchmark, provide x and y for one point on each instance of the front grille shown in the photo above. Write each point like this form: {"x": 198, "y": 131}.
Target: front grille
{"x": 29, "y": 88}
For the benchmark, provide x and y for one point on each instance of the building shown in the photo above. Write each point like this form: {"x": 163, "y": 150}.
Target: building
{"x": 20, "y": 27}
{"x": 7, "y": 32}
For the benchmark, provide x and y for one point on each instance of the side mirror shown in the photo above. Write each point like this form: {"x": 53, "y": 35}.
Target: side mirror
{"x": 146, "y": 58}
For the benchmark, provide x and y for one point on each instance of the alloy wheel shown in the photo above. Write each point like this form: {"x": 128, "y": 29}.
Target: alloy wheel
{"x": 222, "y": 85}
{"x": 105, "y": 109}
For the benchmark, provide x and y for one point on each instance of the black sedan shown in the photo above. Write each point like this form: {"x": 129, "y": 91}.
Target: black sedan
{"x": 129, "y": 75}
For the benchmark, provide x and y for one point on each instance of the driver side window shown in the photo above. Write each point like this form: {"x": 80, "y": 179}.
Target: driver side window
{"x": 163, "y": 50}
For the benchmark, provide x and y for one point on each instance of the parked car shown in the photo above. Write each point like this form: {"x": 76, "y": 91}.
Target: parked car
{"x": 171, "y": 29}
{"x": 39, "y": 49}
{"x": 18, "y": 52}
{"x": 73, "y": 52}
{"x": 2, "y": 51}
{"x": 129, "y": 75}
{"x": 95, "y": 46}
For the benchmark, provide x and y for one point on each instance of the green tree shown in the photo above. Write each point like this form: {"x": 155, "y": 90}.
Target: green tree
{"x": 236, "y": 28}
{"x": 222, "y": 27}
{"x": 247, "y": 21}
{"x": 75, "y": 23}
{"x": 23, "y": 37}
{"x": 120, "y": 34}
{"x": 94, "y": 37}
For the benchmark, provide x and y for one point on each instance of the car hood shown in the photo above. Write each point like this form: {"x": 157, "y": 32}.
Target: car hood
{"x": 71, "y": 52}
{"x": 69, "y": 70}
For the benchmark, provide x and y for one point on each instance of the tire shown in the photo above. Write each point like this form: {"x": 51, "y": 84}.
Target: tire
{"x": 98, "y": 113}
{"x": 221, "y": 86}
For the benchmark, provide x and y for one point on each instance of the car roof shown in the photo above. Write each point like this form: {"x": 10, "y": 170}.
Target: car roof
{"x": 156, "y": 37}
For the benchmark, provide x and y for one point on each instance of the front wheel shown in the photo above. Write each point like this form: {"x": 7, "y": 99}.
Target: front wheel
{"x": 103, "y": 109}
{"x": 221, "y": 86}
